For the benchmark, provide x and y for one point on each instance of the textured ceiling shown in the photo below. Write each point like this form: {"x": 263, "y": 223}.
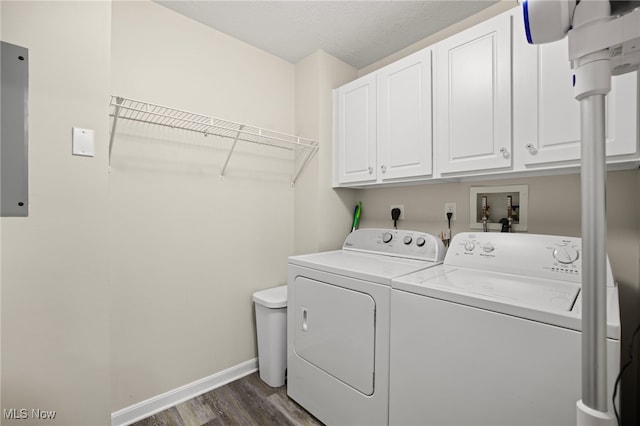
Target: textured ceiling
{"x": 356, "y": 32}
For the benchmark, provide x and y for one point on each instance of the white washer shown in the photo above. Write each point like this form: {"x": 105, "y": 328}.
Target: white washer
{"x": 338, "y": 322}
{"x": 492, "y": 336}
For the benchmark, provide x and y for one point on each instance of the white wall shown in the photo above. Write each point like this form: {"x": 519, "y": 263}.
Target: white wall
{"x": 55, "y": 300}
{"x": 322, "y": 215}
{"x": 187, "y": 250}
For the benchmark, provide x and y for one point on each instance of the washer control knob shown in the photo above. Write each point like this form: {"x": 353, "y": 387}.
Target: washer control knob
{"x": 386, "y": 237}
{"x": 420, "y": 241}
{"x": 488, "y": 248}
{"x": 407, "y": 240}
{"x": 565, "y": 254}
{"x": 469, "y": 245}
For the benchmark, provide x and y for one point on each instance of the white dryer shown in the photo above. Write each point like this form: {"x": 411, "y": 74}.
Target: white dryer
{"x": 492, "y": 336}
{"x": 338, "y": 322}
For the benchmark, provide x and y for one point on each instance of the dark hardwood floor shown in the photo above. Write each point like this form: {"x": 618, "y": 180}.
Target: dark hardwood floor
{"x": 247, "y": 401}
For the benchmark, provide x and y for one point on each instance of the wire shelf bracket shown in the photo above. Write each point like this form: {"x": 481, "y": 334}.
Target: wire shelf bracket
{"x": 145, "y": 112}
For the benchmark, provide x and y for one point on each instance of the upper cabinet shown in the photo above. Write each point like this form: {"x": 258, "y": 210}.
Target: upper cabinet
{"x": 473, "y": 98}
{"x": 500, "y": 106}
{"x": 404, "y": 118}
{"x": 355, "y": 131}
{"x": 547, "y": 115}
{"x": 383, "y": 124}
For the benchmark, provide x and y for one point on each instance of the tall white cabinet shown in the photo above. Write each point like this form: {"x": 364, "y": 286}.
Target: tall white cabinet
{"x": 473, "y": 98}
{"x": 383, "y": 130}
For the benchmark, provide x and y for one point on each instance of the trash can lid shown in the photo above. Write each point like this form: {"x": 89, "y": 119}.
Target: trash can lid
{"x": 275, "y": 297}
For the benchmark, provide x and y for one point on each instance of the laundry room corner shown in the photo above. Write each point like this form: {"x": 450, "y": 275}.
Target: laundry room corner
{"x": 189, "y": 245}
{"x": 322, "y": 214}
{"x": 227, "y": 145}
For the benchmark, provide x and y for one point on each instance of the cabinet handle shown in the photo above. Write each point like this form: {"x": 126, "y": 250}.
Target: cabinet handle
{"x": 532, "y": 149}
{"x": 383, "y": 168}
{"x": 370, "y": 170}
{"x": 504, "y": 152}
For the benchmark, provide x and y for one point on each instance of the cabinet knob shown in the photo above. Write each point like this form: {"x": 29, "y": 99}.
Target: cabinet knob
{"x": 532, "y": 149}
{"x": 370, "y": 170}
{"x": 383, "y": 168}
{"x": 504, "y": 152}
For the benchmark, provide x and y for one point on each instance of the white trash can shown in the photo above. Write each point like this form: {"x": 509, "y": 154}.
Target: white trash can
{"x": 271, "y": 325}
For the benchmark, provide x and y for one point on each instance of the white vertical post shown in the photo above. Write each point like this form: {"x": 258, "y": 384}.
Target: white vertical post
{"x": 594, "y": 239}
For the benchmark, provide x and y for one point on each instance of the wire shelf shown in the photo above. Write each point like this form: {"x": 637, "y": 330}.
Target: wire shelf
{"x": 145, "y": 112}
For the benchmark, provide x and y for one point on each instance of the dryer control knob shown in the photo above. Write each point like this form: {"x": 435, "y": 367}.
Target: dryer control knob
{"x": 407, "y": 240}
{"x": 386, "y": 237}
{"x": 469, "y": 245}
{"x": 420, "y": 241}
{"x": 488, "y": 247}
{"x": 565, "y": 254}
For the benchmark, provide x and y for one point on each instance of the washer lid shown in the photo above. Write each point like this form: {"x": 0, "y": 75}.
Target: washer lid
{"x": 531, "y": 292}
{"x": 543, "y": 300}
{"x": 275, "y": 297}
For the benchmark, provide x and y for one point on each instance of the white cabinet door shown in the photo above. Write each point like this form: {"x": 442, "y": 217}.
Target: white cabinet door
{"x": 547, "y": 115}
{"x": 473, "y": 98}
{"x": 355, "y": 138}
{"x": 404, "y": 118}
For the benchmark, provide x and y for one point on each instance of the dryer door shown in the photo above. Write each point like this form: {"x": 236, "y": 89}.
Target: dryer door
{"x": 335, "y": 331}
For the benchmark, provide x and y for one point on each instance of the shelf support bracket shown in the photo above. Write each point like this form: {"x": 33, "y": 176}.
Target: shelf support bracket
{"x": 303, "y": 164}
{"x": 235, "y": 141}
{"x": 116, "y": 115}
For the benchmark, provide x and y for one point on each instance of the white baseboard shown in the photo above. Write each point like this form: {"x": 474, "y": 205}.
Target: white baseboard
{"x": 141, "y": 410}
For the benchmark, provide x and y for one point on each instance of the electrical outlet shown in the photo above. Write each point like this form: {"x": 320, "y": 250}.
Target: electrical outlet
{"x": 450, "y": 208}
{"x": 399, "y": 206}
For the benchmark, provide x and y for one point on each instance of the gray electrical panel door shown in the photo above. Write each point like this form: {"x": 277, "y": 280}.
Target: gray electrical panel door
{"x": 14, "y": 153}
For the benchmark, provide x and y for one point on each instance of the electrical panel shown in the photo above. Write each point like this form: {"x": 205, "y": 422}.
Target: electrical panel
{"x": 14, "y": 140}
